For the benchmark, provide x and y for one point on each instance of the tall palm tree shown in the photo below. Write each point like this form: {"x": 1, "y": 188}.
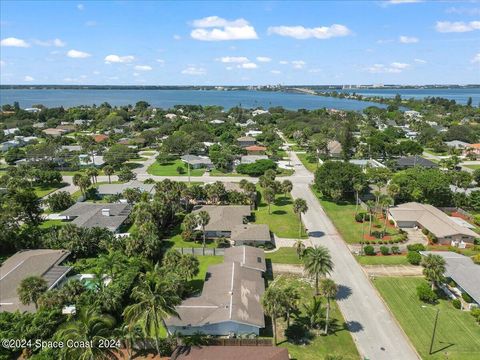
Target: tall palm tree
{"x": 317, "y": 262}
{"x": 299, "y": 247}
{"x": 358, "y": 187}
{"x": 189, "y": 266}
{"x": 371, "y": 209}
{"x": 154, "y": 300}
{"x": 92, "y": 172}
{"x": 385, "y": 202}
{"x": 30, "y": 290}
{"x": 84, "y": 183}
{"x": 269, "y": 196}
{"x": 328, "y": 289}
{"x": 88, "y": 326}
{"x": 203, "y": 218}
{"x": 273, "y": 304}
{"x": 433, "y": 268}
{"x": 393, "y": 190}
{"x": 251, "y": 191}
{"x": 109, "y": 171}
{"x": 300, "y": 207}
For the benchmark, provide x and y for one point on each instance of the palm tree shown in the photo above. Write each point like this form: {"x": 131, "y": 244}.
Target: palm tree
{"x": 328, "y": 289}
{"x": 393, "y": 190}
{"x": 317, "y": 262}
{"x": 299, "y": 247}
{"x": 300, "y": 207}
{"x": 76, "y": 179}
{"x": 84, "y": 184}
{"x": 92, "y": 172}
{"x": 203, "y": 218}
{"x": 313, "y": 311}
{"x": 358, "y": 187}
{"x": 269, "y": 195}
{"x": 371, "y": 209}
{"x": 189, "y": 266}
{"x": 89, "y": 326}
{"x": 251, "y": 191}
{"x": 30, "y": 290}
{"x": 287, "y": 187}
{"x": 154, "y": 300}
{"x": 385, "y": 202}
{"x": 434, "y": 268}
{"x": 109, "y": 171}
{"x": 273, "y": 305}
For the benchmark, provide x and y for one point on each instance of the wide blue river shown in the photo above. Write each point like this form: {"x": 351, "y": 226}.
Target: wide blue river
{"x": 227, "y": 99}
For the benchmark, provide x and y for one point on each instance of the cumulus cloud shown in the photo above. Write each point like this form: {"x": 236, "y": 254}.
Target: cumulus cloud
{"x": 408, "y": 39}
{"x": 457, "y": 26}
{"x": 248, "y": 65}
{"x": 420, "y": 61}
{"x": 394, "y": 67}
{"x": 476, "y": 59}
{"x": 263, "y": 59}
{"x": 143, "y": 68}
{"x": 276, "y": 72}
{"x": 81, "y": 7}
{"x": 283, "y": 62}
{"x": 298, "y": 64}
{"x": 214, "y": 28}
{"x": 301, "y": 32}
{"x": 2, "y": 63}
{"x": 77, "y": 54}
{"x": 233, "y": 59}
{"x": 14, "y": 42}
{"x": 53, "y": 42}
{"x": 463, "y": 11}
{"x": 109, "y": 59}
{"x": 193, "y": 70}
{"x": 28, "y": 78}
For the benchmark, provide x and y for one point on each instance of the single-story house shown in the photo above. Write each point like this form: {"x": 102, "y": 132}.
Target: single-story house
{"x": 367, "y": 163}
{"x": 472, "y": 149}
{"x": 456, "y": 144}
{"x": 5, "y": 146}
{"x": 250, "y": 234}
{"x": 217, "y": 122}
{"x": 224, "y": 218}
{"x": 68, "y": 127}
{"x": 463, "y": 271}
{"x": 40, "y": 262}
{"x": 10, "y": 131}
{"x": 231, "y": 353}
{"x": 229, "y": 303}
{"x": 115, "y": 189}
{"x": 39, "y": 125}
{"x": 80, "y": 122}
{"x": 32, "y": 110}
{"x": 253, "y": 133}
{"x": 197, "y": 162}
{"x": 91, "y": 160}
{"x": 255, "y": 150}
{"x": 54, "y": 132}
{"x": 428, "y": 217}
{"x": 246, "y": 141}
{"x": 250, "y": 159}
{"x": 89, "y": 215}
{"x": 412, "y": 161}
{"x": 71, "y": 147}
{"x": 248, "y": 256}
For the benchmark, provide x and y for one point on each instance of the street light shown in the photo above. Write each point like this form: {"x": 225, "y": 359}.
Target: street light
{"x": 434, "y": 327}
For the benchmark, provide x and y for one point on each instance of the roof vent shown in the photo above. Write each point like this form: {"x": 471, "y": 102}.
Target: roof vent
{"x": 106, "y": 212}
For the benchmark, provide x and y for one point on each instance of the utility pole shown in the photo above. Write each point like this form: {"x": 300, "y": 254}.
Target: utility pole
{"x": 434, "y": 330}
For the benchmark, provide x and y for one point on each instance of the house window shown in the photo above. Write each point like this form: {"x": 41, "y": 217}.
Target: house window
{"x": 259, "y": 260}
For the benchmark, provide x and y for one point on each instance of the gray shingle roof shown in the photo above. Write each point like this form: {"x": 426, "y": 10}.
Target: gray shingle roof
{"x": 415, "y": 161}
{"x": 113, "y": 189}
{"x": 197, "y": 160}
{"x": 248, "y": 256}
{"x": 225, "y": 218}
{"x": 250, "y": 232}
{"x": 90, "y": 215}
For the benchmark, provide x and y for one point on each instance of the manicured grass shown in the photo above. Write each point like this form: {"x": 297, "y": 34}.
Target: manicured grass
{"x": 42, "y": 191}
{"x": 282, "y": 221}
{"x": 338, "y": 342}
{"x": 433, "y": 152}
{"x": 170, "y": 169}
{"x": 147, "y": 153}
{"x": 311, "y": 166}
{"x": 139, "y": 159}
{"x": 473, "y": 167}
{"x": 383, "y": 260}
{"x": 457, "y": 336}
{"x": 284, "y": 256}
{"x": 215, "y": 172}
{"x": 175, "y": 240}
{"x": 52, "y": 223}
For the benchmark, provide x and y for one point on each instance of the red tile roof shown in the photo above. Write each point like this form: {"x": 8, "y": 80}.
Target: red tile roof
{"x": 232, "y": 353}
{"x": 100, "y": 138}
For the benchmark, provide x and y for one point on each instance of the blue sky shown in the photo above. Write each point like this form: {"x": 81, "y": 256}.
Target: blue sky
{"x": 239, "y": 43}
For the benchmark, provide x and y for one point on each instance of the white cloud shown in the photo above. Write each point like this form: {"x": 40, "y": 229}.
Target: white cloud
{"x": 315, "y": 71}
{"x": 54, "y": 42}
{"x": 248, "y": 65}
{"x": 143, "y": 68}
{"x": 233, "y": 59}
{"x": 476, "y": 59}
{"x": 408, "y": 39}
{"x": 276, "y": 72}
{"x": 463, "y": 11}
{"x": 214, "y": 28}
{"x": 2, "y": 63}
{"x": 118, "y": 59}
{"x": 457, "y": 26}
{"x": 136, "y": 74}
{"x": 394, "y": 67}
{"x": 77, "y": 54}
{"x": 90, "y": 23}
{"x": 283, "y": 62}
{"x": 96, "y": 72}
{"x": 81, "y": 7}
{"x": 300, "y": 32}
{"x": 385, "y": 41}
{"x": 28, "y": 78}
{"x": 193, "y": 70}
{"x": 397, "y": 2}
{"x": 420, "y": 61}
{"x": 298, "y": 64}
{"x": 263, "y": 59}
{"x": 14, "y": 42}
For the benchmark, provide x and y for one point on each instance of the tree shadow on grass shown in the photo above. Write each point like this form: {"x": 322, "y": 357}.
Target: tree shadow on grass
{"x": 279, "y": 212}
{"x": 352, "y": 326}
{"x": 343, "y": 293}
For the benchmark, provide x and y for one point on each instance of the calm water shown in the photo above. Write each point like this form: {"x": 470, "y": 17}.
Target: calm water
{"x": 169, "y": 98}
{"x": 227, "y": 99}
{"x": 459, "y": 95}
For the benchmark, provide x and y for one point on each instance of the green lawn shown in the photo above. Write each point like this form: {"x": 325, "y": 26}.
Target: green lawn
{"x": 51, "y": 223}
{"x": 42, "y": 191}
{"x": 281, "y": 220}
{"x": 433, "y": 152}
{"x": 147, "y": 153}
{"x": 473, "y": 167}
{"x": 457, "y": 336}
{"x": 215, "y": 172}
{"x": 174, "y": 239}
{"x": 283, "y": 256}
{"x": 339, "y": 342}
{"x": 383, "y": 260}
{"x": 170, "y": 169}
{"x": 311, "y": 166}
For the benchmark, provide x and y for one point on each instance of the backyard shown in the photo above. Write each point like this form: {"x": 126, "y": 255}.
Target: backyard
{"x": 170, "y": 169}
{"x": 457, "y": 336}
{"x": 283, "y": 256}
{"x": 44, "y": 190}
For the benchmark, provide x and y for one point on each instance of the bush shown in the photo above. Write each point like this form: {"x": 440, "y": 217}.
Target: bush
{"x": 414, "y": 258}
{"x": 457, "y": 304}
{"x": 59, "y": 201}
{"x": 426, "y": 294}
{"x": 391, "y": 222}
{"x": 369, "y": 250}
{"x": 416, "y": 247}
{"x": 476, "y": 314}
{"x": 395, "y": 250}
{"x": 476, "y": 259}
{"x": 359, "y": 217}
{"x": 425, "y": 231}
{"x": 257, "y": 168}
{"x": 384, "y": 250}
{"x": 467, "y": 298}
{"x": 377, "y": 234}
{"x": 297, "y": 333}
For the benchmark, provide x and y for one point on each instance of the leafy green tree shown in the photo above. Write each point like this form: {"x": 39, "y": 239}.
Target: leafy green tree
{"x": 269, "y": 196}
{"x": 273, "y": 302}
{"x": 59, "y": 201}
{"x": 329, "y": 290}
{"x": 30, "y": 290}
{"x": 117, "y": 154}
{"x": 434, "y": 268}
{"x": 337, "y": 175}
{"x": 300, "y": 207}
{"x": 299, "y": 247}
{"x": 287, "y": 187}
{"x": 126, "y": 174}
{"x": 317, "y": 263}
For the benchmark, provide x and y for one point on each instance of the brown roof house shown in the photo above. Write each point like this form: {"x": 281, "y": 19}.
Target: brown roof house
{"x": 246, "y": 141}
{"x": 41, "y": 262}
{"x": 425, "y": 216}
{"x": 229, "y": 304}
{"x": 256, "y": 150}
{"x": 231, "y": 353}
